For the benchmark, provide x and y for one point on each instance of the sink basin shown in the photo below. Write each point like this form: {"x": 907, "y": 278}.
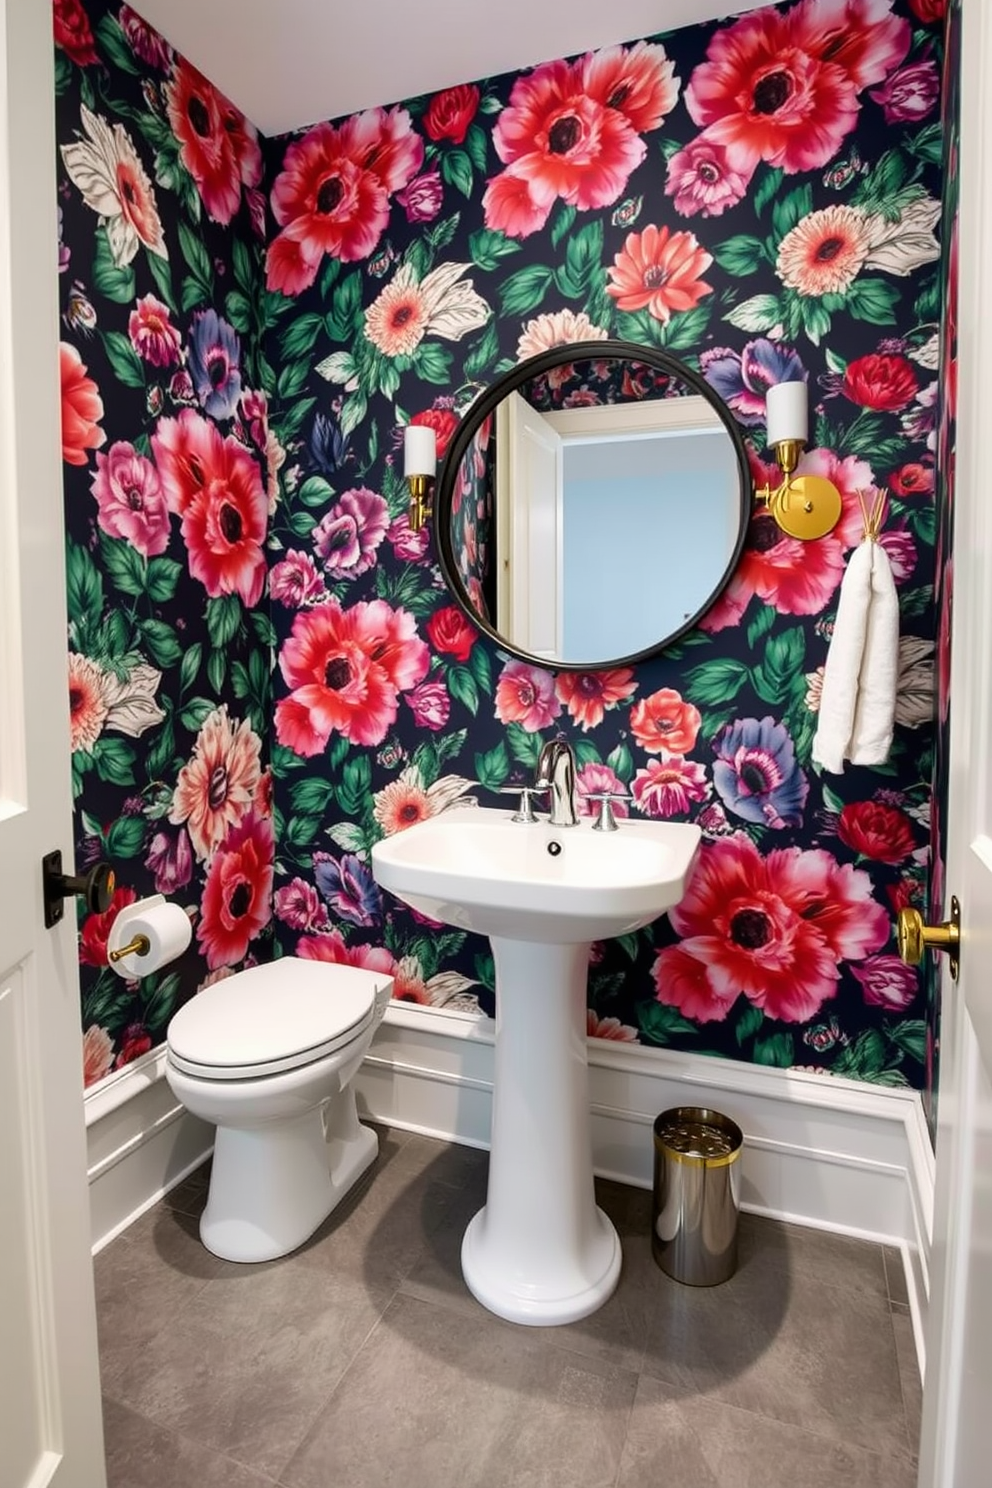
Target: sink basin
{"x": 540, "y": 1252}
{"x": 474, "y": 868}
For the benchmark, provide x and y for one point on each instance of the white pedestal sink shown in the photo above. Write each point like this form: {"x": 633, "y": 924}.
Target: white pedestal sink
{"x": 540, "y": 1251}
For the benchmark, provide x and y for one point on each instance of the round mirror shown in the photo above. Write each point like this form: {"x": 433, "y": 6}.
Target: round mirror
{"x": 592, "y": 504}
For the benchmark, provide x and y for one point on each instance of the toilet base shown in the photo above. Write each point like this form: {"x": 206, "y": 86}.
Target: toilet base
{"x": 272, "y": 1185}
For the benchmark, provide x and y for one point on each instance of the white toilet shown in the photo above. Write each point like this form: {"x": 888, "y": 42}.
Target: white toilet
{"x": 267, "y": 1055}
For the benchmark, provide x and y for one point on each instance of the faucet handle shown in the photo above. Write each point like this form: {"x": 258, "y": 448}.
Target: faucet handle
{"x": 606, "y": 821}
{"x": 525, "y": 811}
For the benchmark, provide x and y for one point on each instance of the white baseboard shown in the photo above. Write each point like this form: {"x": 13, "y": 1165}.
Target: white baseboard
{"x": 829, "y": 1153}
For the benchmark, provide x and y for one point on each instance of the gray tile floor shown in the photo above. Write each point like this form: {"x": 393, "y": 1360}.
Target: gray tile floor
{"x": 362, "y": 1361}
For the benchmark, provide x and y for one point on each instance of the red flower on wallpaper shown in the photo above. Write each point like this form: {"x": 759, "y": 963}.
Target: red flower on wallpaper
{"x": 772, "y": 928}
{"x": 73, "y": 33}
{"x": 659, "y": 271}
{"x": 571, "y": 131}
{"x": 450, "y": 633}
{"x": 217, "y": 145}
{"x": 237, "y": 896}
{"x": 332, "y": 948}
{"x": 442, "y": 421}
{"x": 928, "y": 11}
{"x": 665, "y": 721}
{"x": 96, "y": 928}
{"x": 885, "y": 383}
{"x": 587, "y": 695}
{"x": 332, "y": 194}
{"x": 346, "y": 669}
{"x": 82, "y": 408}
{"x": 875, "y": 830}
{"x": 450, "y": 112}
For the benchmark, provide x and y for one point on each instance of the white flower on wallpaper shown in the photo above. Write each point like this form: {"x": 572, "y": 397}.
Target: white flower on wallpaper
{"x": 108, "y": 172}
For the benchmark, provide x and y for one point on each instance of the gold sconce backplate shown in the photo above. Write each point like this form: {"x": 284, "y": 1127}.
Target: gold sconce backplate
{"x": 915, "y": 937}
{"x": 807, "y": 507}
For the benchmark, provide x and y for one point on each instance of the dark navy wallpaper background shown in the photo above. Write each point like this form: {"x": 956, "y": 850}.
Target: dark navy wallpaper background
{"x": 761, "y": 197}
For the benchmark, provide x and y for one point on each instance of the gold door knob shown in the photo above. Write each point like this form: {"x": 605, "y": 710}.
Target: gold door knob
{"x": 915, "y": 937}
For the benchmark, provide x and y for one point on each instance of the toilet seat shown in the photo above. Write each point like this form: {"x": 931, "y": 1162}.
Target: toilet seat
{"x": 272, "y": 1018}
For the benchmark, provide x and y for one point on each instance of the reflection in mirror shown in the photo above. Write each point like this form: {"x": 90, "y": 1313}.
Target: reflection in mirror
{"x": 592, "y": 507}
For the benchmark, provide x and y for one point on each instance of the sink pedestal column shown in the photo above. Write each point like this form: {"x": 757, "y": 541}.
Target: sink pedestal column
{"x": 541, "y": 1252}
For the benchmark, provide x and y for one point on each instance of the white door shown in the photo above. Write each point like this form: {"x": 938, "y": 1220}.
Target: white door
{"x": 529, "y": 460}
{"x": 50, "y": 1425}
{"x": 956, "y": 1448}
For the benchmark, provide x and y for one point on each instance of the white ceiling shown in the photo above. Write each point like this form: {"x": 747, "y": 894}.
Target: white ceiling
{"x": 287, "y": 63}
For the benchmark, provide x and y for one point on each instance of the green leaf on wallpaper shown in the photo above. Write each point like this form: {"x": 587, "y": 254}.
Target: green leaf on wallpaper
{"x": 245, "y": 267}
{"x": 388, "y": 377}
{"x": 873, "y": 300}
{"x": 162, "y": 578}
{"x": 108, "y": 1001}
{"x": 926, "y": 144}
{"x": 263, "y": 627}
{"x": 292, "y": 378}
{"x": 345, "y": 316}
{"x": 777, "y": 1049}
{"x": 432, "y": 362}
{"x": 583, "y": 260}
{"x": 115, "y": 636}
{"x": 761, "y": 313}
{"x": 217, "y": 670}
{"x": 816, "y": 320}
{"x": 311, "y": 797}
{"x": 299, "y": 337}
{"x": 586, "y": 753}
{"x": 353, "y": 410}
{"x": 791, "y": 209}
{"x": 284, "y": 760}
{"x": 716, "y": 681}
{"x": 114, "y": 760}
{"x": 292, "y": 419}
{"x": 621, "y": 762}
{"x": 223, "y": 619}
{"x": 685, "y": 330}
{"x": 196, "y": 712}
{"x": 629, "y": 944}
{"x": 355, "y": 786}
{"x": 493, "y": 766}
{"x": 476, "y": 141}
{"x": 112, "y": 44}
{"x": 658, "y": 1022}
{"x": 461, "y": 685}
{"x": 196, "y": 255}
{"x": 916, "y": 601}
{"x": 117, "y": 284}
{"x": 768, "y": 183}
{"x": 126, "y": 837}
{"x": 481, "y": 670}
{"x": 163, "y": 747}
{"x": 923, "y": 520}
{"x": 525, "y": 290}
{"x": 328, "y": 278}
{"x": 351, "y": 838}
{"x": 301, "y": 830}
{"x": 909, "y": 1035}
{"x": 485, "y": 970}
{"x": 487, "y": 247}
{"x": 740, "y": 255}
{"x": 524, "y": 746}
{"x": 835, "y": 362}
{"x": 315, "y": 491}
{"x": 123, "y": 564}
{"x": 239, "y": 311}
{"x": 762, "y": 623}
{"x": 784, "y": 656}
{"x": 193, "y": 293}
{"x": 562, "y": 224}
{"x": 865, "y": 1058}
{"x": 162, "y": 274}
{"x": 482, "y": 354}
{"x": 456, "y": 170}
{"x": 63, "y": 73}
{"x": 160, "y": 1000}
{"x": 748, "y": 1023}
{"x": 84, "y": 584}
{"x": 160, "y": 642}
{"x": 442, "y": 232}
{"x": 192, "y": 657}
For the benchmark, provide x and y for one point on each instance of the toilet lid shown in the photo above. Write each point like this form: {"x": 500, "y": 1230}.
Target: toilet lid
{"x": 273, "y": 1018}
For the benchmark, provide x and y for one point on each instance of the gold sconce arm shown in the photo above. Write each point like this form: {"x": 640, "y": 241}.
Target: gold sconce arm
{"x": 421, "y": 491}
{"x": 804, "y": 506}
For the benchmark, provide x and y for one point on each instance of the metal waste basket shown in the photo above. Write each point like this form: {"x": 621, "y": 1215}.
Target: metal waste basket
{"x": 696, "y": 1194}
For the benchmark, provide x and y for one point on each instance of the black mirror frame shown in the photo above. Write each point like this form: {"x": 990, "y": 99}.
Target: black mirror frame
{"x": 485, "y": 404}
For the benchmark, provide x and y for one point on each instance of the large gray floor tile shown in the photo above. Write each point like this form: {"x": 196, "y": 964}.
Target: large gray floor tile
{"x": 815, "y": 1256}
{"x": 141, "y": 1454}
{"x": 692, "y": 1443}
{"x": 437, "y": 1398}
{"x": 247, "y": 1367}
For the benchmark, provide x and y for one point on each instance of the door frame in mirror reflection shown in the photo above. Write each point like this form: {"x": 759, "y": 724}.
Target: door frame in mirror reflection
{"x": 534, "y": 598}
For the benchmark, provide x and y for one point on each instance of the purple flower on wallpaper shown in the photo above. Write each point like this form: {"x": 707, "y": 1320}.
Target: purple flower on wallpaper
{"x": 409, "y": 546}
{"x": 152, "y": 333}
{"x": 430, "y": 704}
{"x": 328, "y": 446}
{"x": 144, "y": 41}
{"x": 887, "y": 982}
{"x": 901, "y": 550}
{"x": 295, "y": 580}
{"x": 526, "y": 695}
{"x": 170, "y": 859}
{"x": 743, "y": 378}
{"x": 756, "y": 774}
{"x": 348, "y": 887}
{"x": 65, "y": 252}
{"x": 299, "y": 906}
{"x": 421, "y": 200}
{"x": 909, "y": 93}
{"x": 702, "y": 179}
{"x": 347, "y": 538}
{"x": 215, "y": 364}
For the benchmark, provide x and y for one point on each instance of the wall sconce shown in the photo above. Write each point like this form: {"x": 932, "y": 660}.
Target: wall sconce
{"x": 807, "y": 506}
{"x": 419, "y": 469}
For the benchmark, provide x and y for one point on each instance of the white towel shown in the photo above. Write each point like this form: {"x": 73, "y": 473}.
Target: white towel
{"x": 857, "y": 704}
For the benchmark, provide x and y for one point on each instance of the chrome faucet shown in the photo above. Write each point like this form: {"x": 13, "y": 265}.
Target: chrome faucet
{"x": 556, "y": 773}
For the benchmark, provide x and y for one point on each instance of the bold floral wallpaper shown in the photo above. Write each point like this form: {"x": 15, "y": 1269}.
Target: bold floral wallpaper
{"x": 167, "y": 502}
{"x": 761, "y": 197}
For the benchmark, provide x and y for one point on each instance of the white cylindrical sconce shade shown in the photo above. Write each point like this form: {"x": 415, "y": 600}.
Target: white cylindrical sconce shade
{"x": 787, "y": 412}
{"x": 419, "y": 450}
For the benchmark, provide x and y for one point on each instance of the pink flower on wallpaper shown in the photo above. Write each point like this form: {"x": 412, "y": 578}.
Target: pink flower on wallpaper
{"x": 665, "y": 722}
{"x": 153, "y": 336}
{"x": 888, "y": 982}
{"x": 346, "y": 670}
{"x": 216, "y": 788}
{"x": 217, "y": 145}
{"x": 593, "y": 778}
{"x": 333, "y": 948}
{"x": 609, "y": 1028}
{"x": 702, "y": 179}
{"x": 130, "y": 501}
{"x": 144, "y": 41}
{"x": 170, "y": 860}
{"x": 82, "y": 408}
{"x": 861, "y": 36}
{"x": 773, "y": 928}
{"x": 332, "y": 194}
{"x": 237, "y": 896}
{"x": 430, "y": 705}
{"x": 587, "y": 695}
{"x": 295, "y": 580}
{"x": 348, "y": 536}
{"x": 300, "y": 907}
{"x": 408, "y": 546}
{"x": 900, "y": 548}
{"x": 909, "y": 94}
{"x": 658, "y": 271}
{"x": 185, "y": 449}
{"x": 669, "y": 785}
{"x": 569, "y": 133}
{"x": 526, "y": 695}
{"x": 98, "y": 1054}
{"x": 421, "y": 200}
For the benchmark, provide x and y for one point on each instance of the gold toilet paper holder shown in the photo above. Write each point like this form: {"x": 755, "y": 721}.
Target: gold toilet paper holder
{"x": 139, "y": 946}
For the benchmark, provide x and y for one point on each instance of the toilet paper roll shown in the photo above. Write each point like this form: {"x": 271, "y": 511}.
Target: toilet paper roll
{"x": 165, "y": 926}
